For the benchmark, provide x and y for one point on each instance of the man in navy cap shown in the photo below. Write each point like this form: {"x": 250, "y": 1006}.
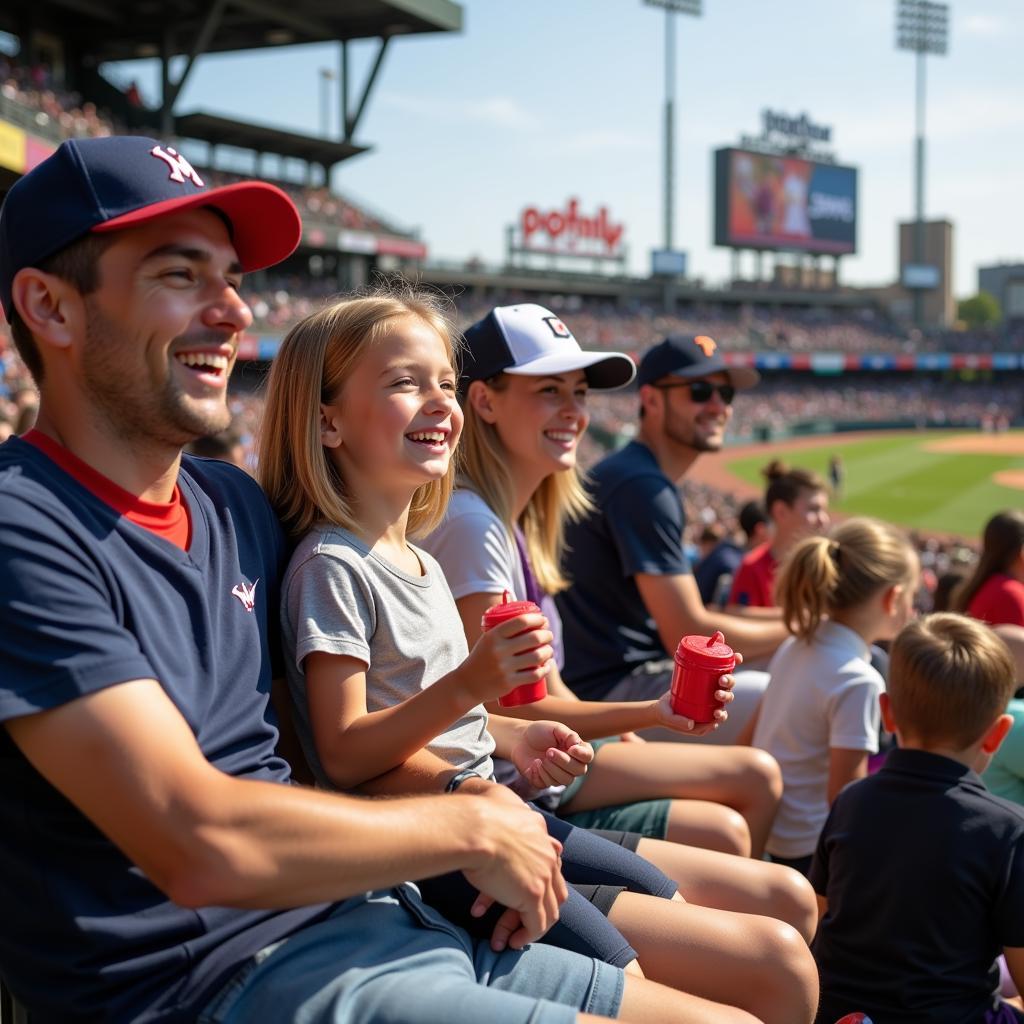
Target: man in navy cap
{"x": 633, "y": 595}
{"x": 156, "y": 865}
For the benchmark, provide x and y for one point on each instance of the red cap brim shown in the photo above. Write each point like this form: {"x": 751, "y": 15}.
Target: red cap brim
{"x": 265, "y": 225}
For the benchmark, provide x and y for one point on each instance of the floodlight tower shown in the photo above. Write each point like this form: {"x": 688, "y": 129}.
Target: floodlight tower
{"x": 922, "y": 26}
{"x": 672, "y": 8}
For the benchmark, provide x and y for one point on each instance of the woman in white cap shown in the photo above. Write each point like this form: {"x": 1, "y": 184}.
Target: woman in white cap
{"x": 523, "y": 391}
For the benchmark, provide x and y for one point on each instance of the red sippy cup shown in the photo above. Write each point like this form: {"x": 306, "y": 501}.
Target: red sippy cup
{"x": 494, "y": 616}
{"x": 700, "y": 662}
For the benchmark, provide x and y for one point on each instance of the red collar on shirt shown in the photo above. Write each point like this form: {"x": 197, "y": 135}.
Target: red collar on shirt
{"x": 169, "y": 520}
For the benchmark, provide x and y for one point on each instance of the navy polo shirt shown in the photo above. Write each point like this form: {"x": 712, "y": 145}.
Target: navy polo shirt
{"x": 636, "y": 527}
{"x": 923, "y": 870}
{"x": 89, "y": 600}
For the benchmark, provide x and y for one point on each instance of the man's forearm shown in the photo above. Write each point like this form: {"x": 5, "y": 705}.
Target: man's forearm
{"x": 284, "y": 846}
{"x": 423, "y": 773}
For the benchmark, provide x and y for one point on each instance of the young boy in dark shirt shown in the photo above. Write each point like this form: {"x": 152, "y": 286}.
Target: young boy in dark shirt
{"x": 920, "y": 869}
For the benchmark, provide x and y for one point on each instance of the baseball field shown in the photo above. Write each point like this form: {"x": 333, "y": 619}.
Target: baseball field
{"x": 938, "y": 481}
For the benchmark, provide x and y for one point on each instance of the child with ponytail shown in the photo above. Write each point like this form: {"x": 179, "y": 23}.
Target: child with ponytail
{"x": 819, "y": 716}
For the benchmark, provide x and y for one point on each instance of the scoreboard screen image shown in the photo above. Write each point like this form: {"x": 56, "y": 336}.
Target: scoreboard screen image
{"x": 783, "y": 202}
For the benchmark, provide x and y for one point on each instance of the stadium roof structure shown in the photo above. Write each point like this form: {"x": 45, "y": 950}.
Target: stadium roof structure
{"x": 225, "y": 131}
{"x": 96, "y": 31}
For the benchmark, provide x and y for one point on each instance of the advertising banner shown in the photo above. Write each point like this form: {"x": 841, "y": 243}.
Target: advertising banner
{"x": 765, "y": 201}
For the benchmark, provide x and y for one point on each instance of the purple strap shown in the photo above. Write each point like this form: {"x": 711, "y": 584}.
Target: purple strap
{"x": 533, "y": 591}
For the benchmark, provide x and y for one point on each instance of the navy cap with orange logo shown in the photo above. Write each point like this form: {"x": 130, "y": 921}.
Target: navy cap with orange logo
{"x": 690, "y": 356}
{"x": 112, "y": 183}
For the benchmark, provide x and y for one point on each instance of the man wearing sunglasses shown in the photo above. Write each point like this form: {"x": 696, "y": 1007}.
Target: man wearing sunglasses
{"x": 633, "y": 594}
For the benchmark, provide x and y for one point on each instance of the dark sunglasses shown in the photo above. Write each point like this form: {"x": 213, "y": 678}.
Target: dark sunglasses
{"x": 702, "y": 390}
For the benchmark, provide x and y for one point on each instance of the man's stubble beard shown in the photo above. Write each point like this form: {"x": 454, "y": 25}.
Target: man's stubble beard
{"x": 136, "y": 413}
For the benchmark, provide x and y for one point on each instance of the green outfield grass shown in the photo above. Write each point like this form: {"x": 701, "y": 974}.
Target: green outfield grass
{"x": 894, "y": 478}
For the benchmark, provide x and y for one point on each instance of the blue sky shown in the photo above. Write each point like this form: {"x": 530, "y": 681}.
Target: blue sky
{"x": 539, "y": 100}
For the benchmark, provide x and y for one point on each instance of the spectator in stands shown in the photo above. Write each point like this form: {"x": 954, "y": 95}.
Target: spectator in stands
{"x": 227, "y": 446}
{"x": 1005, "y": 772}
{"x": 994, "y": 592}
{"x": 918, "y": 868}
{"x": 714, "y": 573}
{"x": 819, "y": 716}
{"x": 632, "y": 595}
{"x": 945, "y": 587}
{"x": 185, "y": 876}
{"x": 796, "y": 501}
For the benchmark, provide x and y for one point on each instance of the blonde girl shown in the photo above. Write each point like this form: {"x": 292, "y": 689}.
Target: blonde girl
{"x": 819, "y": 716}
{"x": 356, "y": 454}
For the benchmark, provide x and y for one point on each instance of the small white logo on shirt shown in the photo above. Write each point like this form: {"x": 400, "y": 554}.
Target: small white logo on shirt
{"x": 180, "y": 167}
{"x": 245, "y": 594}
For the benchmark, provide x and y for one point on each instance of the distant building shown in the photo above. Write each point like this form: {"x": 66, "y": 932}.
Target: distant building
{"x": 1006, "y": 282}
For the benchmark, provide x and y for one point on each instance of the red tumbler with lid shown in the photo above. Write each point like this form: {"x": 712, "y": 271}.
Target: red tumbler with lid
{"x": 494, "y": 616}
{"x": 700, "y": 662}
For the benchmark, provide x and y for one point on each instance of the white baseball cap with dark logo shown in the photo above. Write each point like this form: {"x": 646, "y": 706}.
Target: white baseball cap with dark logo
{"x": 531, "y": 341}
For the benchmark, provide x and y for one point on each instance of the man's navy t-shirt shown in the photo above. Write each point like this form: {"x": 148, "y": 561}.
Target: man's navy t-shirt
{"x": 89, "y": 600}
{"x": 636, "y": 527}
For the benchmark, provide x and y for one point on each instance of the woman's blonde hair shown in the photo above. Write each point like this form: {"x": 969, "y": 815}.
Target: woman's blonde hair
{"x": 825, "y": 575}
{"x": 311, "y": 368}
{"x": 561, "y": 496}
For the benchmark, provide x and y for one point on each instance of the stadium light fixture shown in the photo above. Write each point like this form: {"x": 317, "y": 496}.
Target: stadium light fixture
{"x": 922, "y": 26}
{"x": 671, "y": 8}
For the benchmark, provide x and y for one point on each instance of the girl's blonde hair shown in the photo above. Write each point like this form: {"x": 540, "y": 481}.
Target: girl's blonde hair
{"x": 314, "y": 362}
{"x": 825, "y": 575}
{"x": 561, "y": 496}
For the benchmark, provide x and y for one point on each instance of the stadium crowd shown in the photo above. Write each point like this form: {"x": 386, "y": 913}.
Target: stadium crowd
{"x": 149, "y": 761}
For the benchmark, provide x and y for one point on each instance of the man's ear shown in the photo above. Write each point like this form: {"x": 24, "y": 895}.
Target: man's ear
{"x": 997, "y": 732}
{"x": 479, "y": 396}
{"x": 50, "y": 307}
{"x": 330, "y": 427}
{"x": 649, "y": 398}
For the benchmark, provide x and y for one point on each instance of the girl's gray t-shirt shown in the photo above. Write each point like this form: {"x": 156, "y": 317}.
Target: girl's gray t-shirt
{"x": 339, "y": 597}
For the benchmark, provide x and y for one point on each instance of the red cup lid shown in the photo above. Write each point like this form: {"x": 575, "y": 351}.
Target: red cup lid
{"x": 499, "y": 613}
{"x": 706, "y": 651}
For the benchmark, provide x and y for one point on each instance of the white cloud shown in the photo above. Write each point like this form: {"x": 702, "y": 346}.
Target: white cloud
{"x": 982, "y": 25}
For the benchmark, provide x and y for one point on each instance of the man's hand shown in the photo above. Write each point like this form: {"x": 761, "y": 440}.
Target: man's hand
{"x": 522, "y": 871}
{"x": 551, "y": 754}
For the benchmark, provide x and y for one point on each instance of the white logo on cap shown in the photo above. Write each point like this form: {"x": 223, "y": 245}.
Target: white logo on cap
{"x": 180, "y": 167}
{"x": 558, "y": 329}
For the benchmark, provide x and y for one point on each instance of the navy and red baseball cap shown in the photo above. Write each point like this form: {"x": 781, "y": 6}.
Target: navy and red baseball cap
{"x": 98, "y": 185}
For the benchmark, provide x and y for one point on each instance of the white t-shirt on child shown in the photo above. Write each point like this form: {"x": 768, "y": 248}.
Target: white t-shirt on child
{"x": 822, "y": 694}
